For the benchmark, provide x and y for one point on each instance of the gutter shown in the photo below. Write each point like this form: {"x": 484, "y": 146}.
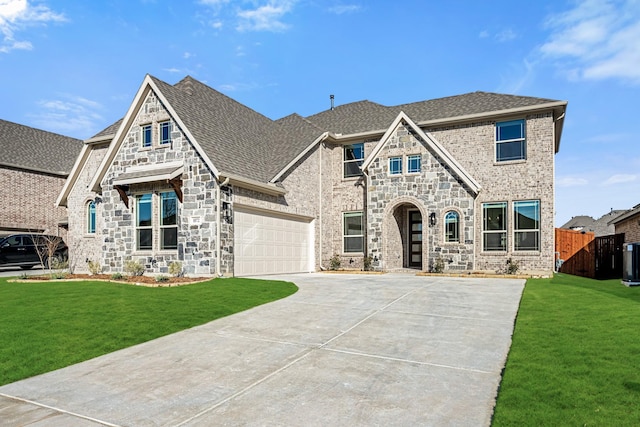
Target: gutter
{"x": 252, "y": 184}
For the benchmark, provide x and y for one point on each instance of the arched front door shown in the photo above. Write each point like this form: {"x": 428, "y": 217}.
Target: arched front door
{"x": 404, "y": 235}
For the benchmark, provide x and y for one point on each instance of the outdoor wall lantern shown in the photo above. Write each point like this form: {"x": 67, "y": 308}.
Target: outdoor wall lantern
{"x": 432, "y": 219}
{"x": 226, "y": 211}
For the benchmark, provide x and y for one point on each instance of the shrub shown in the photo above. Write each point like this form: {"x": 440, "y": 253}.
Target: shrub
{"x": 438, "y": 265}
{"x": 175, "y": 269}
{"x": 334, "y": 262}
{"x": 133, "y": 268}
{"x": 162, "y": 279}
{"x": 512, "y": 266}
{"x": 94, "y": 267}
{"x": 366, "y": 263}
{"x": 116, "y": 276}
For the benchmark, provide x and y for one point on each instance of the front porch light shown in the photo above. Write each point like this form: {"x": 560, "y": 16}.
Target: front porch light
{"x": 432, "y": 219}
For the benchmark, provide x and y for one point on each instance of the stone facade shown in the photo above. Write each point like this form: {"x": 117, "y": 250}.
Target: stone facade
{"x": 27, "y": 202}
{"x": 197, "y": 247}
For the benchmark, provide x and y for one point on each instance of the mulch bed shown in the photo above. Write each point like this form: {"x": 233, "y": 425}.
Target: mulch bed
{"x": 134, "y": 280}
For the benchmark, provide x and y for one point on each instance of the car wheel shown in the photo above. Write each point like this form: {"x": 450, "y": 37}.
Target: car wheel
{"x": 52, "y": 262}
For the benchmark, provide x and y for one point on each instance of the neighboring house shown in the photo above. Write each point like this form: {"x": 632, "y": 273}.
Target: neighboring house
{"x": 193, "y": 176}
{"x": 600, "y": 227}
{"x": 628, "y": 222}
{"x": 34, "y": 165}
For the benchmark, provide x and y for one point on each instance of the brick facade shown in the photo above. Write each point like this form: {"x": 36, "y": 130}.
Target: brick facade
{"x": 631, "y": 229}
{"x": 27, "y": 202}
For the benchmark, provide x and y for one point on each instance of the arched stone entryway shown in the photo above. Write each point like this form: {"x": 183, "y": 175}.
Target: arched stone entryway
{"x": 404, "y": 234}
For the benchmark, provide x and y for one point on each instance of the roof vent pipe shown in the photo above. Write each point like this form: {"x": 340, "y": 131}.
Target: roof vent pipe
{"x": 331, "y": 98}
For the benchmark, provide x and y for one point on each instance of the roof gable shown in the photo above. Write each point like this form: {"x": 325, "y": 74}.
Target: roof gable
{"x": 432, "y": 144}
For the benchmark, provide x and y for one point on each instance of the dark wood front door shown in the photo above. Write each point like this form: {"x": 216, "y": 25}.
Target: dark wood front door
{"x": 415, "y": 239}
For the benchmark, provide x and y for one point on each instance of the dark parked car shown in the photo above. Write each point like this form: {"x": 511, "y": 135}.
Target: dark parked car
{"x": 19, "y": 250}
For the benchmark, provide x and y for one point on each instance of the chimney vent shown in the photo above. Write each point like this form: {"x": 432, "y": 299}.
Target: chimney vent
{"x": 331, "y": 98}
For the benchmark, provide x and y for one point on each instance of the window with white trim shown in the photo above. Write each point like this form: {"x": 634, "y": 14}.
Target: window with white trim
{"x": 165, "y": 132}
{"x": 91, "y": 217}
{"x": 146, "y": 136}
{"x": 353, "y": 159}
{"x": 413, "y": 163}
{"x": 144, "y": 225}
{"x": 395, "y": 165}
{"x": 452, "y": 227}
{"x": 168, "y": 220}
{"x": 494, "y": 226}
{"x": 511, "y": 143}
{"x": 353, "y": 232}
{"x": 526, "y": 225}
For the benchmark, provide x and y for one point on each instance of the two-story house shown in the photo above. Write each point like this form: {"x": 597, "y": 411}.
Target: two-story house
{"x": 190, "y": 175}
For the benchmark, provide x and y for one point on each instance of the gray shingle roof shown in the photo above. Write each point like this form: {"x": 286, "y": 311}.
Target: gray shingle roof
{"x": 109, "y": 130}
{"x": 241, "y": 141}
{"x": 365, "y": 116}
{"x": 25, "y": 147}
{"x": 600, "y": 226}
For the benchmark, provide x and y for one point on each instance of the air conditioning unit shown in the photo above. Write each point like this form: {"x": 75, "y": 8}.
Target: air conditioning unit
{"x": 631, "y": 264}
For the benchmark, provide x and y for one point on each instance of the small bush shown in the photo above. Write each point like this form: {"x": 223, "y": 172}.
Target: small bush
{"x": 94, "y": 267}
{"x": 60, "y": 274}
{"x": 133, "y": 268}
{"x": 438, "y": 265}
{"x": 116, "y": 276}
{"x": 512, "y": 266}
{"x": 366, "y": 263}
{"x": 334, "y": 262}
{"x": 24, "y": 275}
{"x": 162, "y": 279}
{"x": 175, "y": 269}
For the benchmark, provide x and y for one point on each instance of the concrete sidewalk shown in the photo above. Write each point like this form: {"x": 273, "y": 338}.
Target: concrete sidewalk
{"x": 344, "y": 350}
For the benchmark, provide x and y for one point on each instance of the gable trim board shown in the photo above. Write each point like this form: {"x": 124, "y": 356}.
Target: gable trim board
{"x": 432, "y": 143}
{"x": 148, "y": 85}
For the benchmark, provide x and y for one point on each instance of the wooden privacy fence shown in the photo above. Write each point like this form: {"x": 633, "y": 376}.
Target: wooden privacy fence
{"x": 577, "y": 251}
{"x": 585, "y": 255}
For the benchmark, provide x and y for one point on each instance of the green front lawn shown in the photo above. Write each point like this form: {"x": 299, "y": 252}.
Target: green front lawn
{"x": 46, "y": 326}
{"x": 575, "y": 357}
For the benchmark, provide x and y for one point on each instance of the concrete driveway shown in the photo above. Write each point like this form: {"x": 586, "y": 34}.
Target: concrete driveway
{"x": 346, "y": 350}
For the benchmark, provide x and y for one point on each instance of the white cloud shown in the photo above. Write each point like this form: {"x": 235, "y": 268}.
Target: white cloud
{"x": 68, "y": 115}
{"x": 16, "y": 15}
{"x": 597, "y": 39}
{"x": 187, "y": 55}
{"x": 345, "y": 8}
{"x": 619, "y": 179}
{"x": 570, "y": 181}
{"x": 506, "y": 35}
{"x": 267, "y": 17}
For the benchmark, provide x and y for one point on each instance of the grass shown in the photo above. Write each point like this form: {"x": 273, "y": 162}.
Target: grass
{"x": 46, "y": 326}
{"x": 575, "y": 356}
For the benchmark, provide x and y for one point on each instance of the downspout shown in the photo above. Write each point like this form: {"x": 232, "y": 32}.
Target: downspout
{"x": 320, "y": 146}
{"x": 366, "y": 214}
{"x": 219, "y": 225}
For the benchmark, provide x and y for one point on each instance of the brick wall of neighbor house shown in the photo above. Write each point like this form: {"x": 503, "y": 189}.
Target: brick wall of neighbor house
{"x": 531, "y": 179}
{"x": 27, "y": 202}
{"x": 631, "y": 229}
{"x": 197, "y": 215}
{"x": 433, "y": 190}
{"x": 84, "y": 247}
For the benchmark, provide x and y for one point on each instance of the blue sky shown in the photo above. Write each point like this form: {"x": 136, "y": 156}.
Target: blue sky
{"x": 73, "y": 67}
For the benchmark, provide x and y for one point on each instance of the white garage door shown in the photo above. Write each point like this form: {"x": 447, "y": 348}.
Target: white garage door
{"x": 269, "y": 243}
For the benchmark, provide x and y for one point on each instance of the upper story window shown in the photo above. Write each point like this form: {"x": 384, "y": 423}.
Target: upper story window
{"x": 494, "y": 226}
{"x": 511, "y": 143}
{"x": 353, "y": 234}
{"x": 91, "y": 217}
{"x": 452, "y": 227}
{"x": 413, "y": 163}
{"x": 353, "y": 159}
{"x": 526, "y": 225}
{"x": 395, "y": 166}
{"x": 165, "y": 132}
{"x": 146, "y": 136}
